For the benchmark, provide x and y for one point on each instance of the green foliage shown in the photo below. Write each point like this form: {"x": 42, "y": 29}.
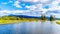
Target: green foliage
{"x": 51, "y": 18}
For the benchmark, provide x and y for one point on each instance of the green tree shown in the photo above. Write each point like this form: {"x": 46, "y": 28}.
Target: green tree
{"x": 51, "y": 18}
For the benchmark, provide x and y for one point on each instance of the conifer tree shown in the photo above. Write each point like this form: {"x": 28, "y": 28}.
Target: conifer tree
{"x": 51, "y": 18}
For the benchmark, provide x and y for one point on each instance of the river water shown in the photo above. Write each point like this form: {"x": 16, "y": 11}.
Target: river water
{"x": 31, "y": 28}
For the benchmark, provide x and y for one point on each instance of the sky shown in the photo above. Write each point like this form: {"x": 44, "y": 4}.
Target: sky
{"x": 30, "y": 7}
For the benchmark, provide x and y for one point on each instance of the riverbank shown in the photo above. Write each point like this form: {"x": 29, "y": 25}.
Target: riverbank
{"x": 9, "y": 21}
{"x": 15, "y": 21}
{"x": 20, "y": 21}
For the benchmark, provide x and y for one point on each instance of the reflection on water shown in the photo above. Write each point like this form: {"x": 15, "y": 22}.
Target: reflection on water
{"x": 31, "y": 28}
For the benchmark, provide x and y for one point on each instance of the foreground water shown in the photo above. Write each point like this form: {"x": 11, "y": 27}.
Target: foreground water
{"x": 31, "y": 28}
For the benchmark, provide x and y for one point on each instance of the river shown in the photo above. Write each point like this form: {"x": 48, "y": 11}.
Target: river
{"x": 30, "y": 28}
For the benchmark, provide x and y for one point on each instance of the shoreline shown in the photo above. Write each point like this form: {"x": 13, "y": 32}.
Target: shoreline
{"x": 19, "y": 21}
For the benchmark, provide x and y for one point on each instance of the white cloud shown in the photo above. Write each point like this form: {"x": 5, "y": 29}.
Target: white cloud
{"x": 37, "y": 9}
{"x": 17, "y": 4}
{"x": 3, "y": 13}
{"x": 18, "y": 12}
{"x": 29, "y": 0}
{"x": 7, "y": 12}
{"x": 54, "y": 5}
{"x": 31, "y": 7}
{"x": 26, "y": 12}
{"x": 36, "y": 1}
{"x": 57, "y": 16}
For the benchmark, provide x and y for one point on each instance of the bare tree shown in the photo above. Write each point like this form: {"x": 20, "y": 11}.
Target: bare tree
{"x": 43, "y": 17}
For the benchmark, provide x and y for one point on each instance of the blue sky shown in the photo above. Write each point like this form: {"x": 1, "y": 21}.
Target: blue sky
{"x": 30, "y": 7}
{"x": 9, "y": 5}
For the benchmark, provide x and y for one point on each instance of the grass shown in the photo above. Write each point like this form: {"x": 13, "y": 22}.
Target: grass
{"x": 58, "y": 22}
{"x": 15, "y": 21}
{"x": 9, "y": 21}
{"x": 24, "y": 20}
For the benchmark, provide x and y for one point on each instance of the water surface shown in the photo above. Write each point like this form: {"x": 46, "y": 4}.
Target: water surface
{"x": 30, "y": 28}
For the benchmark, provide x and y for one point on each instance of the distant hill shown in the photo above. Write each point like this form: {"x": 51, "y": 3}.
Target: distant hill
{"x": 24, "y": 16}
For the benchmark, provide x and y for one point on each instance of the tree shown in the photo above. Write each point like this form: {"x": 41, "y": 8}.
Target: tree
{"x": 13, "y": 18}
{"x": 43, "y": 17}
{"x": 0, "y": 18}
{"x": 51, "y": 18}
{"x": 6, "y": 17}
